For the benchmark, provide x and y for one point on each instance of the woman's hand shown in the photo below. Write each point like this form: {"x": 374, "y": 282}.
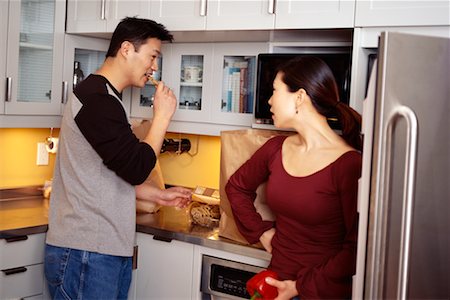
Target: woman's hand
{"x": 174, "y": 196}
{"x": 266, "y": 239}
{"x": 286, "y": 288}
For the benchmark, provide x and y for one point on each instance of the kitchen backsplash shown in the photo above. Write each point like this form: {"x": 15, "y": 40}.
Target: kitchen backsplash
{"x": 18, "y": 151}
{"x": 18, "y": 147}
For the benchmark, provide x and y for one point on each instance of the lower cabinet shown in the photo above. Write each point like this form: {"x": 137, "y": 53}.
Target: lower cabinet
{"x": 22, "y": 267}
{"x": 164, "y": 268}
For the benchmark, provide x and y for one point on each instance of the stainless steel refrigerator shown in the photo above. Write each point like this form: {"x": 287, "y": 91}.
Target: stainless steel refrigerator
{"x": 403, "y": 242}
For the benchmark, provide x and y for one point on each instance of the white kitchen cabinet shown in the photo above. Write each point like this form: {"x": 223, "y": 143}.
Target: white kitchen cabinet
{"x": 89, "y": 53}
{"x": 164, "y": 268}
{"x": 234, "y": 82}
{"x": 212, "y": 101}
{"x": 179, "y": 14}
{"x": 34, "y": 53}
{"x": 100, "y": 16}
{"x": 240, "y": 15}
{"x": 142, "y": 98}
{"x": 3, "y": 37}
{"x": 301, "y": 14}
{"x": 21, "y": 265}
{"x": 402, "y": 13}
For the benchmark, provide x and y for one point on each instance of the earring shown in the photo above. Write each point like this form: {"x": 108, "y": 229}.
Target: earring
{"x": 296, "y": 111}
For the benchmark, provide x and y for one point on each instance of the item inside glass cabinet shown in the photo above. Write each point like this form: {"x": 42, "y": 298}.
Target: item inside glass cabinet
{"x": 238, "y": 88}
{"x": 191, "y": 82}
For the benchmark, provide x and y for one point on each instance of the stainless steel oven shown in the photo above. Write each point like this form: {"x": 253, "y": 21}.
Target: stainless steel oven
{"x": 225, "y": 279}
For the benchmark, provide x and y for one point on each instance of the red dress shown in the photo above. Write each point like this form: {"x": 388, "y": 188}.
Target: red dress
{"x": 316, "y": 219}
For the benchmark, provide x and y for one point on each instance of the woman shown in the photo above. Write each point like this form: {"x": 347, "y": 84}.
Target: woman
{"x": 312, "y": 181}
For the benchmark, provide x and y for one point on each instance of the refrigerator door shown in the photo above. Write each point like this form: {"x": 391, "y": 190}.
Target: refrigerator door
{"x": 408, "y": 230}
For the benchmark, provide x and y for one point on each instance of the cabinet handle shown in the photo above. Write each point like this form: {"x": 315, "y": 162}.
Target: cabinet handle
{"x": 64, "y": 92}
{"x": 14, "y": 271}
{"x": 8, "y": 89}
{"x": 203, "y": 8}
{"x": 271, "y": 9}
{"x": 103, "y": 10}
{"x": 16, "y": 238}
{"x": 162, "y": 239}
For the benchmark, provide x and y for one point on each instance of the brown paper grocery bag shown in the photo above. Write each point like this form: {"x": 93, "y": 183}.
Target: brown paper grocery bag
{"x": 237, "y": 146}
{"x": 155, "y": 178}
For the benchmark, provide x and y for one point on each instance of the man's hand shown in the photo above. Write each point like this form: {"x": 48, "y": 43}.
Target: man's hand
{"x": 174, "y": 196}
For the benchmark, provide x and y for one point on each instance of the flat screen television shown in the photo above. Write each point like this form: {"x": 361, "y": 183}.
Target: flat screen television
{"x": 339, "y": 63}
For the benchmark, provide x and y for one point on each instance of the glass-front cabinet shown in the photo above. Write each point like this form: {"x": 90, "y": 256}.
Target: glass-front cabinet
{"x": 83, "y": 56}
{"x": 192, "y": 80}
{"x": 215, "y": 85}
{"x": 34, "y": 58}
{"x": 234, "y": 87}
{"x": 142, "y": 99}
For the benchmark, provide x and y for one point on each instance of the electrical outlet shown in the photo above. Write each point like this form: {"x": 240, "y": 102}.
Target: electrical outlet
{"x": 42, "y": 155}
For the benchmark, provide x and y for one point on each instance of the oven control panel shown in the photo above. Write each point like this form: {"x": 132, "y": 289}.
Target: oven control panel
{"x": 221, "y": 277}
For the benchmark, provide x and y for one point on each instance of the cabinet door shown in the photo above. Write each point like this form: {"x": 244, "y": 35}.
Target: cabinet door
{"x": 89, "y": 53}
{"x": 191, "y": 76}
{"x": 235, "y": 82}
{"x": 120, "y": 9}
{"x": 230, "y": 14}
{"x": 298, "y": 14}
{"x": 35, "y": 53}
{"x": 3, "y": 36}
{"x": 86, "y": 16}
{"x": 402, "y": 13}
{"x": 164, "y": 268}
{"x": 142, "y": 99}
{"x": 179, "y": 14}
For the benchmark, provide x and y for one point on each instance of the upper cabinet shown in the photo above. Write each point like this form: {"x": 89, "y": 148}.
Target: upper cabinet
{"x": 97, "y": 16}
{"x": 3, "y": 37}
{"x": 241, "y": 15}
{"x": 402, "y": 13}
{"x": 300, "y": 14}
{"x": 31, "y": 68}
{"x": 179, "y": 14}
{"x": 102, "y": 15}
{"x": 214, "y": 85}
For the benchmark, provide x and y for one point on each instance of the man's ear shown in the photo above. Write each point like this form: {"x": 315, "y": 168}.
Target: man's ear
{"x": 126, "y": 48}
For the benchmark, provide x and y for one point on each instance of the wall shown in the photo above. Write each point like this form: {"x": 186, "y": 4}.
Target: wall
{"x": 18, "y": 150}
{"x": 18, "y": 160}
{"x": 201, "y": 168}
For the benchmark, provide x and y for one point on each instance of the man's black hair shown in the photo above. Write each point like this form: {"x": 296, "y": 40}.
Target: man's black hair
{"x": 136, "y": 31}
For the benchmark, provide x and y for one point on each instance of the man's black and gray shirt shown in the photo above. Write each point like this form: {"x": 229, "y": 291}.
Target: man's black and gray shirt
{"x": 99, "y": 160}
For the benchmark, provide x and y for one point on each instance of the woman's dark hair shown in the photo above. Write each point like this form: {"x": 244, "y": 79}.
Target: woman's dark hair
{"x": 315, "y": 77}
{"x": 136, "y": 31}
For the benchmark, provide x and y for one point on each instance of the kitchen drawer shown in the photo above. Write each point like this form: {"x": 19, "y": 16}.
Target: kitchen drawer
{"x": 24, "y": 284}
{"x": 18, "y": 253}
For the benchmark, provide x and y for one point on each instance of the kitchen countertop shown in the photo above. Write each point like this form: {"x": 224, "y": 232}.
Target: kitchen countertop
{"x": 28, "y": 214}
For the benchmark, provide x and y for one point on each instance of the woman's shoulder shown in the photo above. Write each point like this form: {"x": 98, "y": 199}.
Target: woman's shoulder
{"x": 349, "y": 160}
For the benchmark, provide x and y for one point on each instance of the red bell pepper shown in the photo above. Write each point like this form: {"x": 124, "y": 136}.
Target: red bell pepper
{"x": 259, "y": 289}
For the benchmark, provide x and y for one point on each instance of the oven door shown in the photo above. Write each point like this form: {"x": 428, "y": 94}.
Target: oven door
{"x": 225, "y": 279}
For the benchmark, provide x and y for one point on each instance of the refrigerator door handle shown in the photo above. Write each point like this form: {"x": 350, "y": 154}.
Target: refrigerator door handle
{"x": 409, "y": 182}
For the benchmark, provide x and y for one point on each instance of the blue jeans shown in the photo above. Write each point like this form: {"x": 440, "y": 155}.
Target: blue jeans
{"x": 77, "y": 274}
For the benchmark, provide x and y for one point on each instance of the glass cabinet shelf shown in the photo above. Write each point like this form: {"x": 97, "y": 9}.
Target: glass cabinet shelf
{"x": 35, "y": 46}
{"x": 191, "y": 82}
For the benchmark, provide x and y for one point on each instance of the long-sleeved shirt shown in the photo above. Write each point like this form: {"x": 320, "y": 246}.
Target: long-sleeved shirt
{"x": 316, "y": 219}
{"x": 93, "y": 200}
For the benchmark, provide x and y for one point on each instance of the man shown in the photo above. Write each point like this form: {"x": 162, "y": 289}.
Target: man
{"x": 100, "y": 168}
